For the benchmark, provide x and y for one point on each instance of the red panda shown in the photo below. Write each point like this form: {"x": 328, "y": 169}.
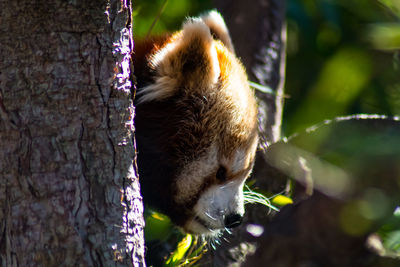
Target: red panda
{"x": 196, "y": 125}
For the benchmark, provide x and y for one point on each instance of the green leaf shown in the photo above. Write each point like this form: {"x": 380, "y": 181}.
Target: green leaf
{"x": 281, "y": 200}
{"x": 393, "y": 5}
{"x": 180, "y": 251}
{"x": 385, "y": 36}
{"x": 158, "y": 226}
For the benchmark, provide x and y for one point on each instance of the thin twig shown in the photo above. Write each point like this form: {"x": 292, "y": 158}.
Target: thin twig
{"x": 160, "y": 11}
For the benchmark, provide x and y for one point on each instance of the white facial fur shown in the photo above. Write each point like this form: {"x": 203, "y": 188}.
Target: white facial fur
{"x": 215, "y": 204}
{"x": 217, "y": 201}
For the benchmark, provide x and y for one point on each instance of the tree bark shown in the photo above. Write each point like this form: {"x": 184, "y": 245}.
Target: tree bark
{"x": 69, "y": 193}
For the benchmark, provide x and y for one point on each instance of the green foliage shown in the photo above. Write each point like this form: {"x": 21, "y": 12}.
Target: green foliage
{"x": 390, "y": 234}
{"x": 251, "y": 196}
{"x": 385, "y": 36}
{"x": 281, "y": 200}
{"x": 341, "y": 79}
{"x": 171, "y": 16}
{"x": 158, "y": 226}
{"x": 180, "y": 251}
{"x": 342, "y": 60}
{"x": 393, "y": 5}
{"x": 187, "y": 249}
{"x": 187, "y": 253}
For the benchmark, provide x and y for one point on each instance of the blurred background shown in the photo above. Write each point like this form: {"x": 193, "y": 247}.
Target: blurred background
{"x": 342, "y": 56}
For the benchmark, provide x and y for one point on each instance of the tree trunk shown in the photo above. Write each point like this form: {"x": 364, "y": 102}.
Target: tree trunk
{"x": 69, "y": 193}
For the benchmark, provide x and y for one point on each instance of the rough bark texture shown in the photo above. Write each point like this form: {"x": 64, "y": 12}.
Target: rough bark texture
{"x": 258, "y": 34}
{"x": 69, "y": 194}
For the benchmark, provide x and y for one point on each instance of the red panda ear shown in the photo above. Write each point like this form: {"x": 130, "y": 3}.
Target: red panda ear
{"x": 218, "y": 28}
{"x": 188, "y": 60}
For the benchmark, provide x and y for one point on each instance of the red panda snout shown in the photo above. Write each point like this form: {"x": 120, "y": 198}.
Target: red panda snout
{"x": 218, "y": 195}
{"x": 215, "y": 206}
{"x": 196, "y": 125}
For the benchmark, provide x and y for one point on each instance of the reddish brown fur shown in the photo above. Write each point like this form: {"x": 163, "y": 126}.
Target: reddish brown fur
{"x": 179, "y": 129}
{"x": 143, "y": 49}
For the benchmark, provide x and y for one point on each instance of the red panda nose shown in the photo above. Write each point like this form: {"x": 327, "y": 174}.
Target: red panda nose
{"x": 233, "y": 220}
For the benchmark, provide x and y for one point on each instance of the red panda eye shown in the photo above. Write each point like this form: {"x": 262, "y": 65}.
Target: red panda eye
{"x": 221, "y": 174}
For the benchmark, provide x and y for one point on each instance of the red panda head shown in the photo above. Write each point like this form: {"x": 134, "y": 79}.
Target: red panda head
{"x": 196, "y": 125}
